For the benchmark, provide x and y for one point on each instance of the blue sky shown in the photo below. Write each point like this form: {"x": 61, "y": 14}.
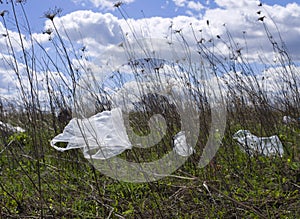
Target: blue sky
{"x": 161, "y": 8}
{"x": 97, "y": 26}
{"x": 137, "y": 9}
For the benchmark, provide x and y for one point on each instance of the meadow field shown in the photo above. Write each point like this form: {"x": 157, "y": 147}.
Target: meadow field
{"x": 37, "y": 181}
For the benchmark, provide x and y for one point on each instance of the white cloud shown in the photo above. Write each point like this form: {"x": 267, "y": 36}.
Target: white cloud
{"x": 8, "y": 74}
{"x": 14, "y": 83}
{"x": 94, "y": 30}
{"x": 98, "y": 31}
{"x": 193, "y": 5}
{"x": 197, "y": 6}
{"x": 242, "y": 16}
{"x": 14, "y": 39}
{"x": 235, "y": 4}
{"x": 277, "y": 84}
{"x": 180, "y": 3}
{"x": 103, "y": 4}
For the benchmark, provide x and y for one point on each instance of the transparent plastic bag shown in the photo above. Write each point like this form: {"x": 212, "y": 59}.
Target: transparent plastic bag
{"x": 288, "y": 120}
{"x": 263, "y": 145}
{"x": 180, "y": 145}
{"x": 9, "y": 127}
{"x": 98, "y": 136}
{"x": 104, "y": 135}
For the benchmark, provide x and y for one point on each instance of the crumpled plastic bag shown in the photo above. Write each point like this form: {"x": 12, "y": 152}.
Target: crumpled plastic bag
{"x": 288, "y": 120}
{"x": 180, "y": 145}
{"x": 98, "y": 136}
{"x": 103, "y": 136}
{"x": 9, "y": 127}
{"x": 263, "y": 145}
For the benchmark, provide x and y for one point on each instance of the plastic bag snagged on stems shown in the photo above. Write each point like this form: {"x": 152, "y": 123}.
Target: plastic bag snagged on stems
{"x": 103, "y": 136}
{"x": 263, "y": 145}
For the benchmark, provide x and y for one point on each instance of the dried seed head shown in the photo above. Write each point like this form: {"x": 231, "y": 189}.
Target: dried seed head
{"x": 261, "y": 18}
{"x": 21, "y": 1}
{"x": 48, "y": 31}
{"x": 118, "y": 4}
{"x": 2, "y": 13}
{"x": 51, "y": 13}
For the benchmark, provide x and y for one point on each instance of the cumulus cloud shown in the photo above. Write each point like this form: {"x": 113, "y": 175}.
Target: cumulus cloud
{"x": 98, "y": 31}
{"x": 243, "y": 16}
{"x": 240, "y": 19}
{"x": 8, "y": 78}
{"x": 14, "y": 40}
{"x": 95, "y": 31}
{"x": 15, "y": 84}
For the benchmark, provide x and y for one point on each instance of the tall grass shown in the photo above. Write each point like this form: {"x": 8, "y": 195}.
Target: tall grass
{"x": 37, "y": 181}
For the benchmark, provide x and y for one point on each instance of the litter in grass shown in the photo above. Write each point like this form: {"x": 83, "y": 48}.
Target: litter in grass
{"x": 263, "y": 145}
{"x": 97, "y": 136}
{"x": 180, "y": 145}
{"x": 290, "y": 120}
{"x": 104, "y": 136}
{"x": 10, "y": 128}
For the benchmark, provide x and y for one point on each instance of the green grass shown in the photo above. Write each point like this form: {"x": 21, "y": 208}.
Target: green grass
{"x": 36, "y": 181}
{"x": 234, "y": 185}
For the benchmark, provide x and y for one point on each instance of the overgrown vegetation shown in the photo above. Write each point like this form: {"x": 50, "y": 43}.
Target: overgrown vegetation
{"x": 39, "y": 182}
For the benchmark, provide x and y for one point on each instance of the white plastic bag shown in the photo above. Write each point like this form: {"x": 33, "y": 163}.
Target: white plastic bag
{"x": 9, "y": 127}
{"x": 263, "y": 145}
{"x": 103, "y": 136}
{"x": 180, "y": 145}
{"x": 288, "y": 120}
